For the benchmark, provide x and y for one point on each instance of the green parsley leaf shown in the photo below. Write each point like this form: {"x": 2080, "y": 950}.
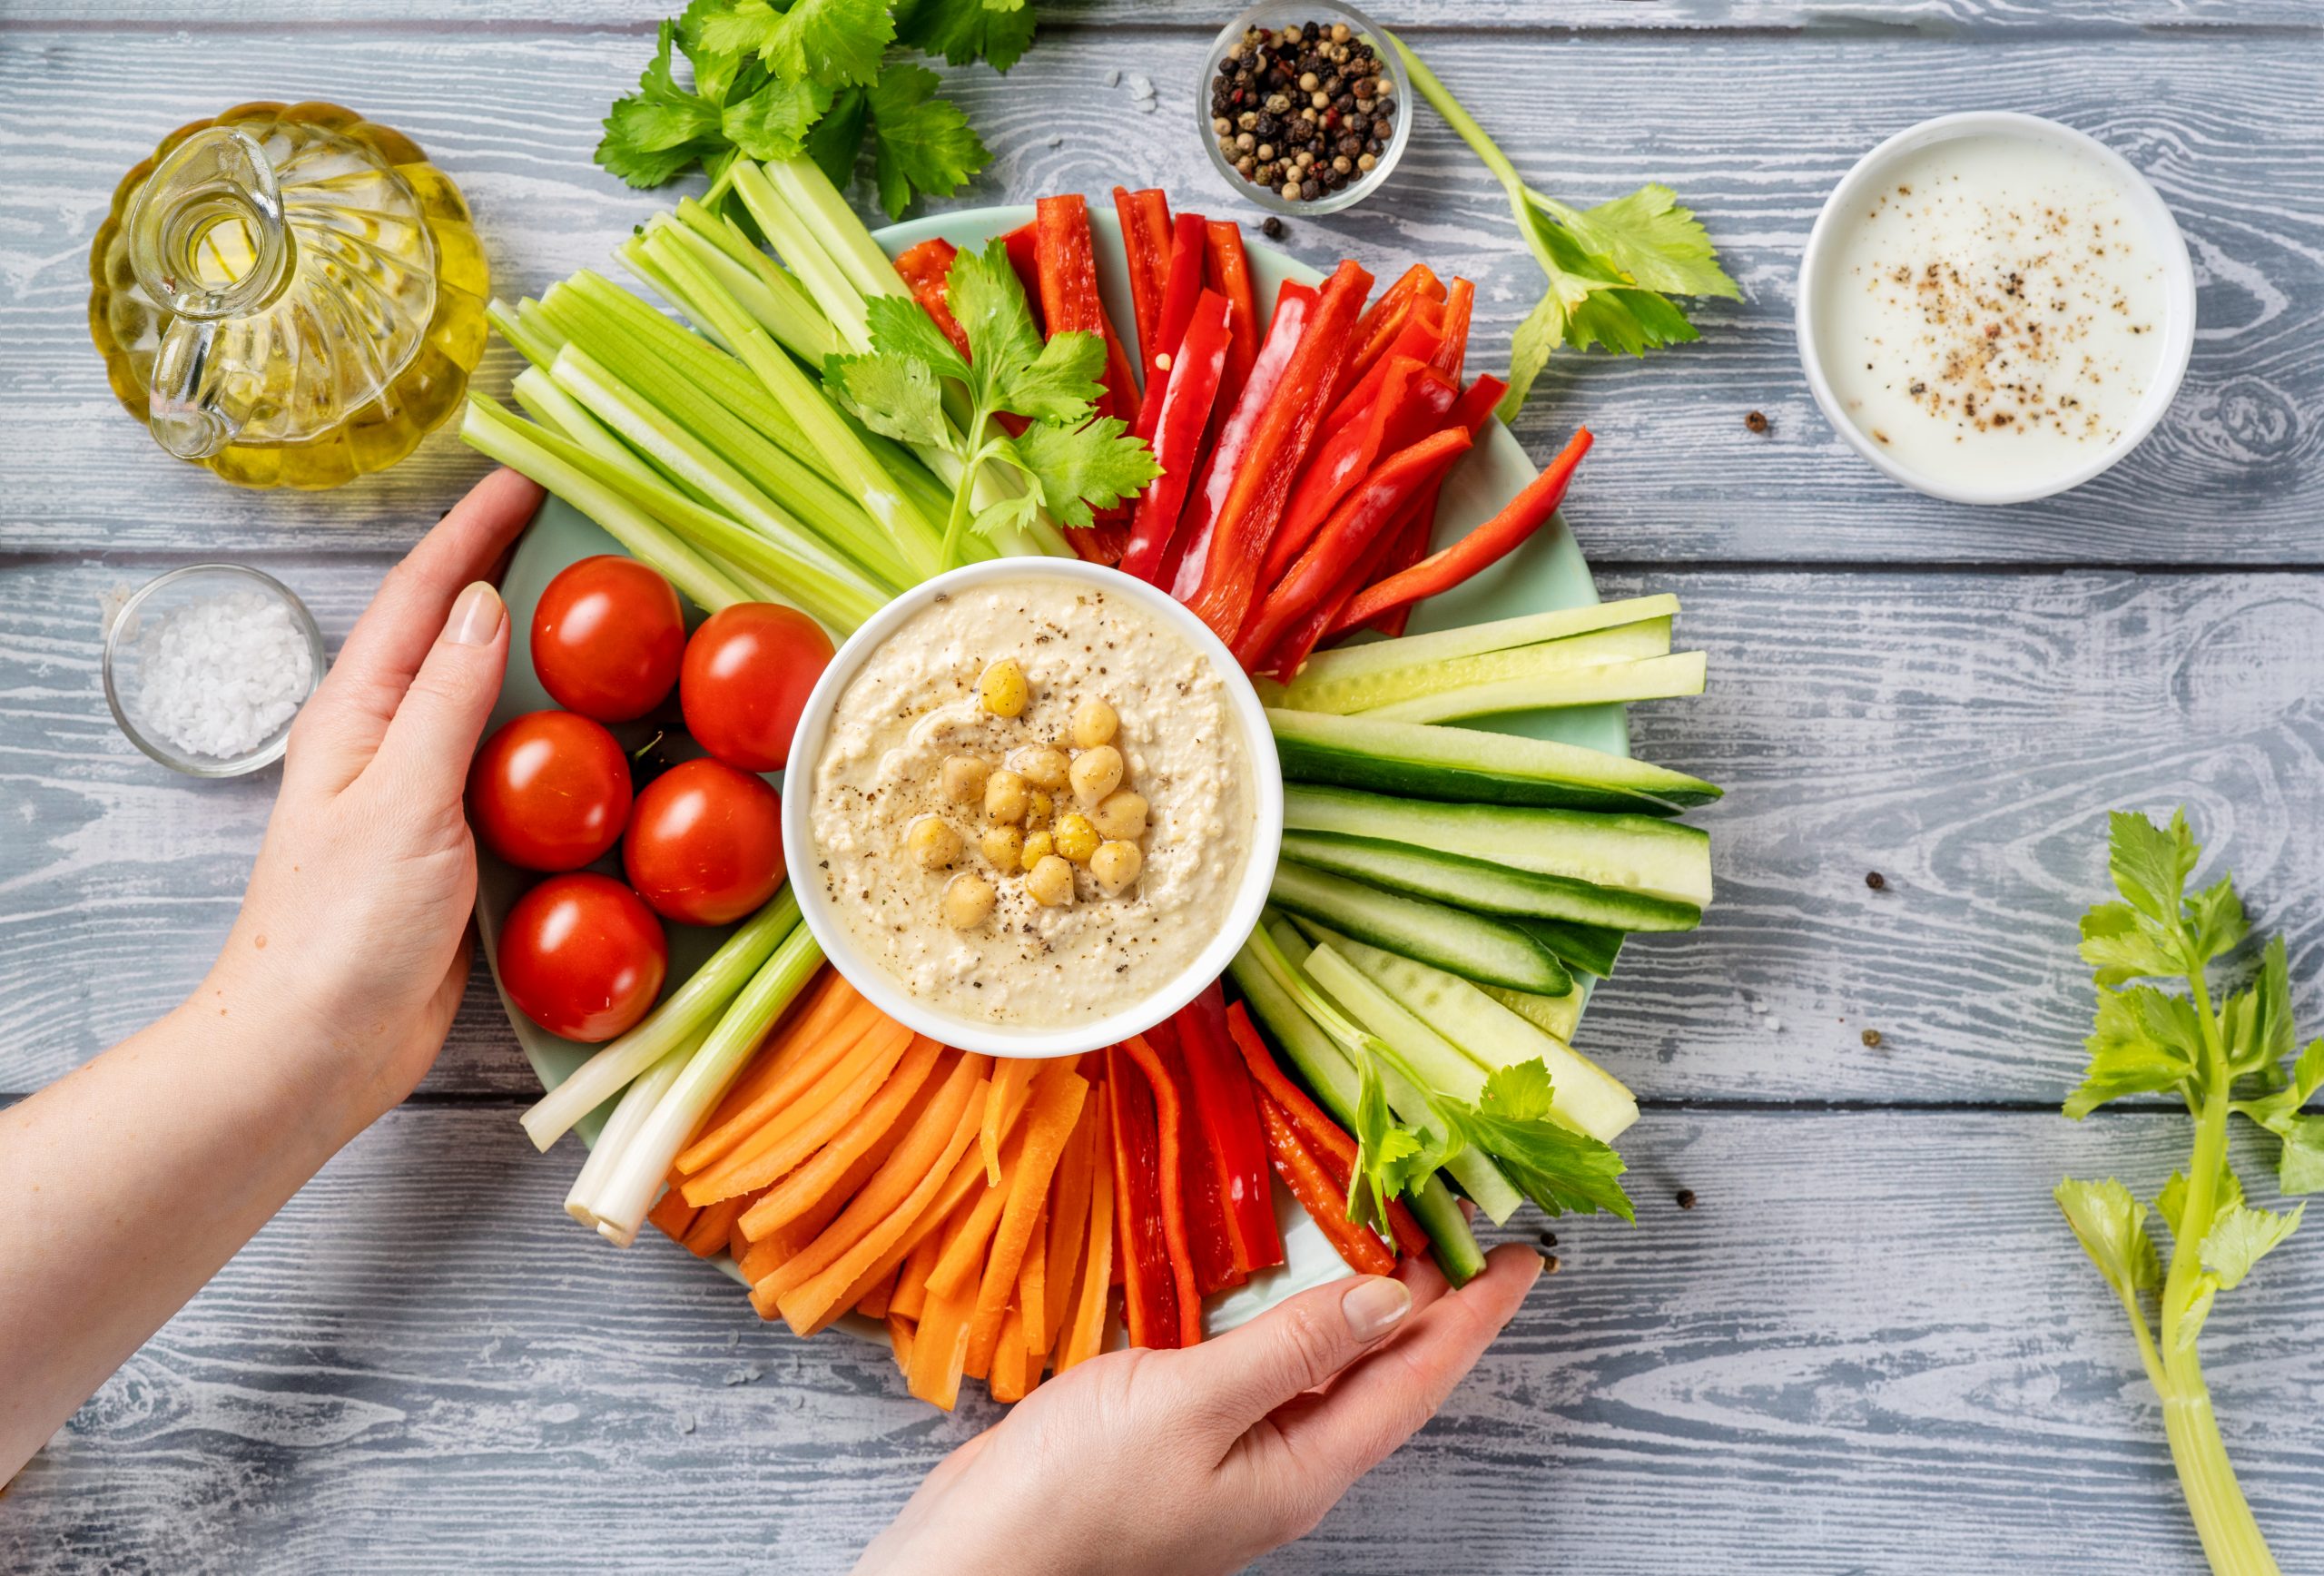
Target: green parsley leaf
{"x": 894, "y": 395}
{"x": 902, "y": 327}
{"x": 2242, "y": 1238}
{"x": 1004, "y": 513}
{"x": 1380, "y": 1145}
{"x": 2111, "y": 1227}
{"x": 1075, "y": 468}
{"x": 920, "y": 142}
{"x": 988, "y": 300}
{"x": 999, "y": 31}
{"x": 661, "y": 129}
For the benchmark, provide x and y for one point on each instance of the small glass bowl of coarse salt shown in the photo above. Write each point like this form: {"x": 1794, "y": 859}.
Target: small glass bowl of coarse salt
{"x": 207, "y": 667}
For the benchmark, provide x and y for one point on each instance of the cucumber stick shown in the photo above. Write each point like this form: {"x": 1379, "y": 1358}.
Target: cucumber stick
{"x": 1651, "y": 678}
{"x": 1582, "y": 1094}
{"x": 1439, "y": 1068}
{"x": 1486, "y": 887}
{"x": 1583, "y": 949}
{"x": 1630, "y": 853}
{"x": 1369, "y": 692}
{"x": 1326, "y": 669}
{"x": 1332, "y": 1078}
{"x": 1488, "y": 950}
{"x": 1555, "y": 1016}
{"x": 1469, "y": 765}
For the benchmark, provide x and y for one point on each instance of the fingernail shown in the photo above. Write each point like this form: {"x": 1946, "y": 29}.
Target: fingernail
{"x": 1374, "y": 1307}
{"x": 475, "y": 617}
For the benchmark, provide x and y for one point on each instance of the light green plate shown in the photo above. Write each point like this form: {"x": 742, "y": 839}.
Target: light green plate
{"x": 1546, "y": 573}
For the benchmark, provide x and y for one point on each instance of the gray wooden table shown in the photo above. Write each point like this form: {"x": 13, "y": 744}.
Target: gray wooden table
{"x": 1871, "y": 1347}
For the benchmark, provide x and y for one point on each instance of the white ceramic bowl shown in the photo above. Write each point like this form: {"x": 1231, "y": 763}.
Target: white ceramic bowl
{"x": 1134, "y": 1017}
{"x": 2179, "y": 296}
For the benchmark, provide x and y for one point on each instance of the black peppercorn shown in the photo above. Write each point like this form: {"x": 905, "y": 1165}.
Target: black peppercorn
{"x": 1372, "y": 146}
{"x": 1686, "y": 1198}
{"x": 1875, "y": 880}
{"x": 1265, "y": 127}
{"x": 1273, "y": 228}
{"x": 1333, "y": 180}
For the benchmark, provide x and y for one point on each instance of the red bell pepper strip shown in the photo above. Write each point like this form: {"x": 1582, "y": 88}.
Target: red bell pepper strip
{"x": 1154, "y": 231}
{"x": 1278, "y": 446}
{"x": 1316, "y": 1132}
{"x": 1149, "y": 1287}
{"x": 1067, "y": 267}
{"x": 1183, "y": 416}
{"x": 1367, "y": 512}
{"x": 1146, "y": 270}
{"x": 1519, "y": 519}
{"x": 1419, "y": 340}
{"x": 1025, "y": 260}
{"x": 1170, "y": 1125}
{"x": 1453, "y": 347}
{"x": 1404, "y": 544}
{"x": 1179, "y": 293}
{"x": 1229, "y": 272}
{"x": 1415, "y": 400}
{"x": 1227, "y": 1111}
{"x": 927, "y": 268}
{"x": 1294, "y": 306}
{"x": 1211, "y": 1243}
{"x": 1381, "y": 321}
{"x": 1326, "y": 1205}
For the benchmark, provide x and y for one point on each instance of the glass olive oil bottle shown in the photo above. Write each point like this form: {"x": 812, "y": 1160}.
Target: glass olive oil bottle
{"x": 288, "y": 295}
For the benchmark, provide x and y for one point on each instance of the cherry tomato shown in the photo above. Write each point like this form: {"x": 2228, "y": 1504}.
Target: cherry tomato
{"x": 704, "y": 844}
{"x": 747, "y": 672}
{"x": 582, "y": 956}
{"x": 549, "y": 790}
{"x": 607, "y": 638}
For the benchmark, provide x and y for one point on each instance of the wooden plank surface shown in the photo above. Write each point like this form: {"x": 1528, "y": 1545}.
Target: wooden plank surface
{"x": 1962, "y": 734}
{"x": 1752, "y": 130}
{"x": 1872, "y": 1346}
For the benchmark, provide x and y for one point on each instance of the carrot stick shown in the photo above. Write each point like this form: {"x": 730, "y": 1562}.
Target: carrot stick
{"x": 1033, "y": 1290}
{"x": 804, "y": 1063}
{"x": 911, "y": 1279}
{"x": 1170, "y": 1121}
{"x": 707, "y": 1235}
{"x": 1057, "y": 1107}
{"x": 1068, "y": 1225}
{"x": 881, "y": 1117}
{"x": 915, "y": 1159}
{"x": 940, "y": 1351}
{"x": 1012, "y": 1366}
{"x": 673, "y": 1215}
{"x": 956, "y": 1274}
{"x": 1010, "y": 1074}
{"x": 853, "y": 1084}
{"x": 874, "y": 1304}
{"x": 1086, "y": 1333}
{"x": 813, "y": 1300}
{"x": 808, "y": 1019}
{"x": 900, "y": 1332}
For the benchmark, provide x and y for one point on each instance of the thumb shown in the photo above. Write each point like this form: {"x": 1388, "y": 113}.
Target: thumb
{"x": 1247, "y": 1373}
{"x": 433, "y": 731}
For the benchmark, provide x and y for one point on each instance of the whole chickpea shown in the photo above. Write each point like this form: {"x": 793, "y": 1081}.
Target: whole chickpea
{"x": 1076, "y": 838}
{"x": 963, "y": 778}
{"x": 1042, "y": 767}
{"x": 1004, "y": 848}
{"x": 1038, "y": 847}
{"x": 1004, "y": 796}
{"x": 1094, "y": 722}
{"x": 1003, "y": 689}
{"x": 934, "y": 845}
{"x": 967, "y": 901}
{"x": 1050, "y": 883}
{"x": 1096, "y": 772}
{"x": 1115, "y": 865}
{"x": 1120, "y": 816}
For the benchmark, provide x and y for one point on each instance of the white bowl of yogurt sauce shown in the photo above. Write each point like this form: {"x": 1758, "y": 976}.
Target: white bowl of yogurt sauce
{"x": 900, "y": 695}
{"x": 1994, "y": 308}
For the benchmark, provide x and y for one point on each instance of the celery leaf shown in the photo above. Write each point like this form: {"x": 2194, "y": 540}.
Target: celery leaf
{"x": 920, "y": 142}
{"x": 2242, "y": 1236}
{"x": 1653, "y": 242}
{"x": 2148, "y": 863}
{"x": 835, "y": 42}
{"x": 2111, "y": 1227}
{"x": 660, "y": 130}
{"x": 997, "y": 31}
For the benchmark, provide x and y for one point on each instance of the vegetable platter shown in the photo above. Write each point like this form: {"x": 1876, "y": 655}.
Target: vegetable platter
{"x": 1468, "y": 846}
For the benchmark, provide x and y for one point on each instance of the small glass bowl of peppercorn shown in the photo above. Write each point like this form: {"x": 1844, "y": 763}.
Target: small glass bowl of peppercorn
{"x": 1304, "y": 108}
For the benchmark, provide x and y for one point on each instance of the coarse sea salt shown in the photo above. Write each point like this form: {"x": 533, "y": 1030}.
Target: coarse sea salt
{"x": 222, "y": 675}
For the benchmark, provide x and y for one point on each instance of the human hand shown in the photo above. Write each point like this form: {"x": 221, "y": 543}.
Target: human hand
{"x": 1180, "y": 1463}
{"x": 351, "y": 947}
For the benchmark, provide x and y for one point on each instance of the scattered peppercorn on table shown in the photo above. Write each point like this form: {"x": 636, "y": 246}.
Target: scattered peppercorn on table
{"x": 1867, "y": 1344}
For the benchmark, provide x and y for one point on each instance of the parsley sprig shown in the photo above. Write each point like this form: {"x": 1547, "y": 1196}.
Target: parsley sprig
{"x": 1612, "y": 269}
{"x": 775, "y": 79}
{"x": 1069, "y": 460}
{"x": 2220, "y": 1061}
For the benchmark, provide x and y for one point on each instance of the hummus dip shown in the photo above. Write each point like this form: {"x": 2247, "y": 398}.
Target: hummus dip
{"x": 919, "y": 712}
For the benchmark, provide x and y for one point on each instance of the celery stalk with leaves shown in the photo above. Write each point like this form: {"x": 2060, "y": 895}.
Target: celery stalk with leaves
{"x": 1070, "y": 458}
{"x": 1611, "y": 268}
{"x": 2222, "y": 1060}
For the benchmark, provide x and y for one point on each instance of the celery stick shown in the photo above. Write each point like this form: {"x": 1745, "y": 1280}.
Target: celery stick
{"x": 780, "y": 301}
{"x": 840, "y": 602}
{"x": 825, "y": 277}
{"x": 504, "y": 316}
{"x": 537, "y": 322}
{"x": 637, "y": 1103}
{"x": 699, "y": 468}
{"x": 632, "y": 255}
{"x": 679, "y": 1015}
{"x": 564, "y": 415}
{"x": 636, "y": 1179}
{"x": 802, "y": 185}
{"x": 498, "y": 433}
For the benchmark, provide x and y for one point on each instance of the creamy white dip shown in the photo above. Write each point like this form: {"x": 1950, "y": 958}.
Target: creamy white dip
{"x": 1994, "y": 311}
{"x": 914, "y": 701}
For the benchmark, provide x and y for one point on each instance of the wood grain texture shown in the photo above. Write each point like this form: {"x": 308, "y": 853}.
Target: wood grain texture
{"x": 1962, "y": 734}
{"x": 1872, "y": 1346}
{"x": 1753, "y": 130}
